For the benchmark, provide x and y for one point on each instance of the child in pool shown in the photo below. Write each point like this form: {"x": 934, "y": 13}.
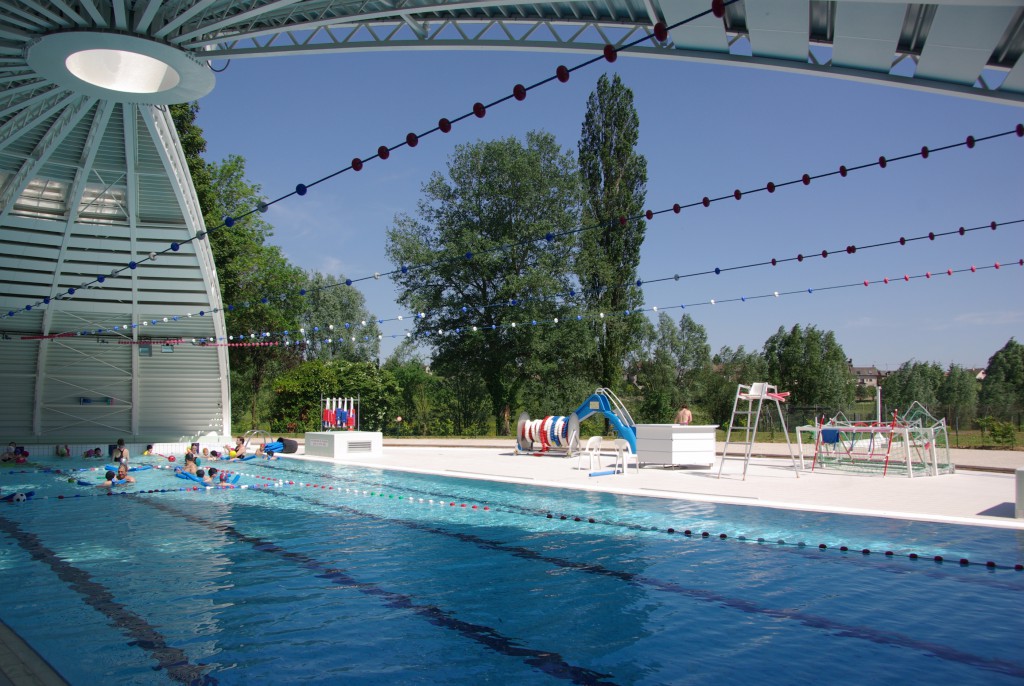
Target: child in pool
{"x": 110, "y": 476}
{"x": 202, "y": 475}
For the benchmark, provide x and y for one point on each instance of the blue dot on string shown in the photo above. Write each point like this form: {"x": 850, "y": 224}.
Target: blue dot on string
{"x": 579, "y": 317}
{"x": 132, "y": 265}
{"x": 28, "y": 308}
{"x": 202, "y": 313}
{"x": 717, "y": 270}
{"x": 316, "y": 329}
{"x": 100, "y": 278}
{"x": 405, "y": 270}
{"x": 639, "y": 283}
{"x": 549, "y": 236}
{"x": 46, "y": 300}
{"x": 682, "y": 307}
{"x": 534, "y": 322}
{"x": 175, "y": 317}
{"x": 10, "y": 313}
{"x": 71, "y": 291}
{"x": 263, "y": 300}
{"x": 175, "y": 247}
{"x": 302, "y": 291}
{"x": 231, "y": 308}
{"x": 743, "y": 298}
{"x": 229, "y": 222}
{"x": 262, "y": 207}
{"x": 347, "y": 325}
{"x": 810, "y": 290}
{"x": 300, "y": 189}
{"x": 348, "y": 282}
{"x": 469, "y": 255}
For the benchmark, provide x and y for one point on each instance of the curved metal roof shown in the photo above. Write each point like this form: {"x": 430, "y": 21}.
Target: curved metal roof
{"x": 93, "y": 177}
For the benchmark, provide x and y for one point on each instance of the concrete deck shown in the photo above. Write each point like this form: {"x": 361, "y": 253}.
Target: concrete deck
{"x": 975, "y": 495}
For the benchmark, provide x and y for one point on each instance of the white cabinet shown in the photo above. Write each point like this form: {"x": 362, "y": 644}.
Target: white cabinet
{"x": 676, "y": 444}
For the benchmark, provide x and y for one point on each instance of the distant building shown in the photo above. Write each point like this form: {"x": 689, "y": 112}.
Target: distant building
{"x": 867, "y": 376}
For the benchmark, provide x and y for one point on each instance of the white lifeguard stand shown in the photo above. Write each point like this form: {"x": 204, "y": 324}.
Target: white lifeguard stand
{"x": 754, "y": 396}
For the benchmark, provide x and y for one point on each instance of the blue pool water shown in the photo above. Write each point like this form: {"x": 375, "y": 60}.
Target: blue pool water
{"x": 368, "y": 577}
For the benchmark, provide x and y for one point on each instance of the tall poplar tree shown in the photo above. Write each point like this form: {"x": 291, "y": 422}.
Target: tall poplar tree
{"x": 614, "y": 177}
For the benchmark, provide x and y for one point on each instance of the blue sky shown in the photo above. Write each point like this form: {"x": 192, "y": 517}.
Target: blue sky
{"x": 705, "y": 130}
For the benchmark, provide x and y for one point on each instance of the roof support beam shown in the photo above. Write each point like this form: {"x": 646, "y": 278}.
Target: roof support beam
{"x": 99, "y": 125}
{"x": 131, "y": 148}
{"x": 18, "y": 181}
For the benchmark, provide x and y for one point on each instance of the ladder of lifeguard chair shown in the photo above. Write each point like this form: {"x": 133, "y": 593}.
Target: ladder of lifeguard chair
{"x": 750, "y": 428}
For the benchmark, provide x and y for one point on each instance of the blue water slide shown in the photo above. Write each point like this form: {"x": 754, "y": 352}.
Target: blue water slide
{"x": 599, "y": 402}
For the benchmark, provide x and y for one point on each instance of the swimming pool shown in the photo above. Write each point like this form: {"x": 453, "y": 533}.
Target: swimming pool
{"x": 358, "y": 576}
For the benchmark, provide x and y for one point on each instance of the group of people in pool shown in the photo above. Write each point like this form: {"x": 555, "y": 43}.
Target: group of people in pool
{"x": 14, "y": 453}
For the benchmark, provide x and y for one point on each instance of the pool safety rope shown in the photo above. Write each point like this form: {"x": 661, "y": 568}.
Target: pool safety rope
{"x": 271, "y": 483}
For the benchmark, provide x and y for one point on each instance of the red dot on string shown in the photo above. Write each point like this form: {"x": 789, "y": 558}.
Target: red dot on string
{"x": 996, "y": 265}
{"x": 931, "y": 235}
{"x": 737, "y": 194}
{"x": 924, "y": 151}
{"x": 649, "y": 215}
{"x": 1019, "y": 129}
{"x": 444, "y": 125}
{"x": 1021, "y": 262}
{"x": 882, "y": 162}
{"x": 842, "y": 170}
{"x": 383, "y": 152}
{"x": 622, "y": 221}
{"x": 962, "y": 231}
{"x": 949, "y": 272}
{"x": 610, "y": 53}
{"x": 412, "y": 140}
{"x": 850, "y": 249}
{"x": 770, "y": 187}
{"x": 806, "y": 178}
{"x": 906, "y": 278}
{"x": 903, "y": 241}
{"x": 993, "y": 226}
{"x": 519, "y": 92}
{"x": 718, "y": 8}
{"x": 970, "y": 141}
{"x": 774, "y": 262}
{"x": 660, "y": 32}
{"x": 676, "y": 208}
{"x": 357, "y": 164}
{"x": 562, "y": 73}
{"x": 885, "y": 280}
{"x": 865, "y": 282}
{"x": 824, "y": 253}
{"x": 799, "y": 258}
{"x": 973, "y": 269}
{"x": 927, "y": 275}
{"x": 479, "y": 110}
{"x": 706, "y": 201}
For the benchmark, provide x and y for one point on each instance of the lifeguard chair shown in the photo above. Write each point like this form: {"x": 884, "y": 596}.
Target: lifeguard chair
{"x": 746, "y": 410}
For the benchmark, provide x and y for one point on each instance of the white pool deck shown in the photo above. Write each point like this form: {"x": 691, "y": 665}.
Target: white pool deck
{"x": 971, "y": 496}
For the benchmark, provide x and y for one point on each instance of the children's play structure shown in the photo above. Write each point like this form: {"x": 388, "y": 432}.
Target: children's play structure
{"x": 915, "y": 444}
{"x": 562, "y": 433}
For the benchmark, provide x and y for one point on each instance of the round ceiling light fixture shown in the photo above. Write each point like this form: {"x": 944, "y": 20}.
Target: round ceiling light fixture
{"x": 120, "y": 67}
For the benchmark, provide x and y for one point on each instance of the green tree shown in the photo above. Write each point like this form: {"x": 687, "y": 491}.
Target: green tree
{"x": 260, "y": 289}
{"x": 347, "y": 330}
{"x": 614, "y": 177}
{"x": 1002, "y": 390}
{"x": 478, "y": 301}
{"x": 659, "y": 373}
{"x": 958, "y": 395}
{"x": 811, "y": 365}
{"x": 193, "y": 144}
{"x": 918, "y": 381}
{"x": 731, "y": 368}
{"x": 297, "y": 392}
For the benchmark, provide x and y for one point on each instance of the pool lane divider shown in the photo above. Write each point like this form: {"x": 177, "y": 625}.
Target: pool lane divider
{"x": 275, "y": 482}
{"x": 827, "y": 624}
{"x": 549, "y": 662}
{"x": 144, "y": 635}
